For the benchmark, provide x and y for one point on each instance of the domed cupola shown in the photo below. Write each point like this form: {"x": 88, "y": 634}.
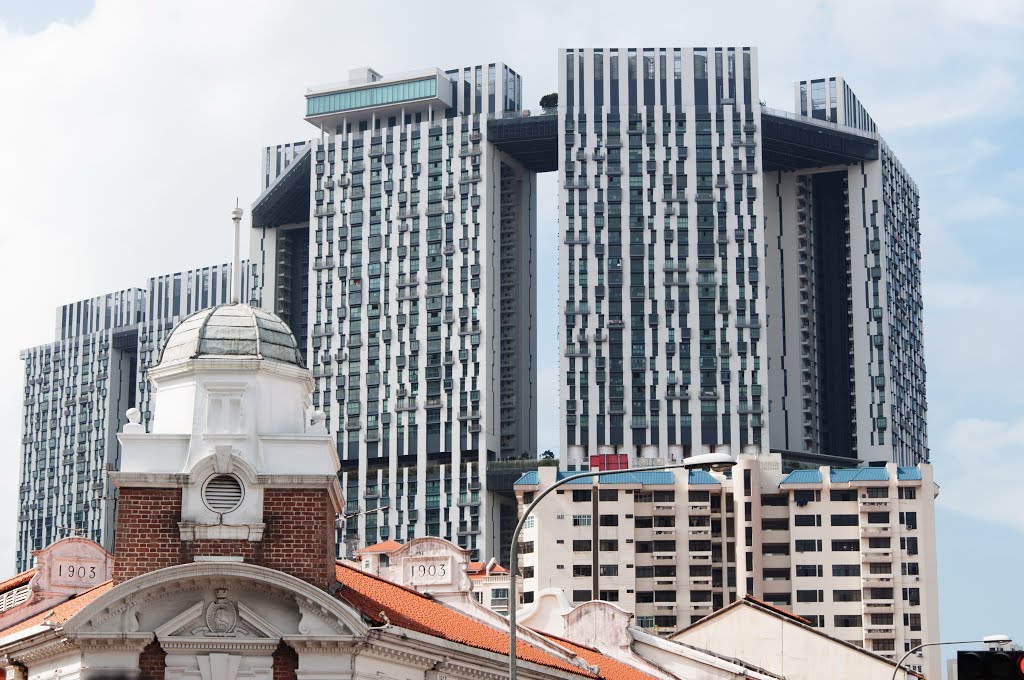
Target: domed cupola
{"x": 235, "y": 448}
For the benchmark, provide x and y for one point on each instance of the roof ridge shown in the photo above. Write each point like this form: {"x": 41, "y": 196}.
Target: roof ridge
{"x": 359, "y": 571}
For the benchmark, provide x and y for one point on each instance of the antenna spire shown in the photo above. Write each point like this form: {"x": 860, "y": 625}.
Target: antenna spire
{"x": 236, "y": 217}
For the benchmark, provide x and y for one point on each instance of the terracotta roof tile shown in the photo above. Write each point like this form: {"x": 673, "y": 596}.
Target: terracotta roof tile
{"x": 382, "y": 547}
{"x": 62, "y": 612}
{"x": 415, "y": 611}
{"x": 609, "y": 667}
{"x": 17, "y": 580}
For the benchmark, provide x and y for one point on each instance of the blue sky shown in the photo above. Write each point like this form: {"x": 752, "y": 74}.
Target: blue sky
{"x": 129, "y": 129}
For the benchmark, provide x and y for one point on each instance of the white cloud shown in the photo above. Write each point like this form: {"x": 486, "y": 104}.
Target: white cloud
{"x": 128, "y": 135}
{"x": 983, "y": 468}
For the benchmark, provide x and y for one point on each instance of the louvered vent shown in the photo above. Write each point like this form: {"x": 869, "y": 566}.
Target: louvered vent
{"x": 223, "y": 493}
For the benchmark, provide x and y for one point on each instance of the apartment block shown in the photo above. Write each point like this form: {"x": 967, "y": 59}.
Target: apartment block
{"x": 400, "y": 246}
{"x": 852, "y": 550}
{"x": 733, "y": 277}
{"x": 77, "y": 391}
{"x": 847, "y": 374}
{"x": 662, "y": 255}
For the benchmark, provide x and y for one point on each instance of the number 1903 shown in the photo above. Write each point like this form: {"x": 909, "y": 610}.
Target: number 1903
{"x": 76, "y": 571}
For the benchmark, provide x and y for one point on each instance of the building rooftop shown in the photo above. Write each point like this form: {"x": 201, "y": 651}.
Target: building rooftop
{"x": 848, "y": 475}
{"x": 652, "y": 478}
{"x": 374, "y": 597}
{"x": 232, "y": 331}
{"x": 382, "y": 547}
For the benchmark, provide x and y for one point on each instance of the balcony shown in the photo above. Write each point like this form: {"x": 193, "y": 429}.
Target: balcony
{"x": 874, "y": 504}
{"x": 876, "y": 632}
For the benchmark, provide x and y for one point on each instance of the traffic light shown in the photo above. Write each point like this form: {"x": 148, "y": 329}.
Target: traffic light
{"x": 1001, "y": 665}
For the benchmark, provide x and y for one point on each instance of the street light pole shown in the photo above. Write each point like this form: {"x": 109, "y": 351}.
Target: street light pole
{"x": 707, "y": 460}
{"x": 995, "y": 639}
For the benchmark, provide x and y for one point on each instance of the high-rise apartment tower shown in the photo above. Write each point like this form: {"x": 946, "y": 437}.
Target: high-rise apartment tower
{"x": 399, "y": 245}
{"x": 77, "y": 390}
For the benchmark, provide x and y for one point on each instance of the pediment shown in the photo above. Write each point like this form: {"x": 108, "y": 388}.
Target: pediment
{"x": 203, "y": 602}
{"x": 223, "y": 618}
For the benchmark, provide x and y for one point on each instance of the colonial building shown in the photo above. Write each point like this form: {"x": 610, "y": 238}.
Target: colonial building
{"x": 225, "y": 566}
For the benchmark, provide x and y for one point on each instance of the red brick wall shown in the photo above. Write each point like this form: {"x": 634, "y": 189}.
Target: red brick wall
{"x": 286, "y": 662}
{"x": 147, "y": 532}
{"x": 298, "y": 538}
{"x": 152, "y": 662}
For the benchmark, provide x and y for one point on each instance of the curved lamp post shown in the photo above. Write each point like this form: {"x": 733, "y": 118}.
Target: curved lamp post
{"x": 714, "y": 461}
{"x": 991, "y": 639}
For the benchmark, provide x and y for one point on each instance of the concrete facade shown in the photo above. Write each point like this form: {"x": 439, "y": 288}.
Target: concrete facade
{"x": 410, "y": 283}
{"x": 850, "y": 550}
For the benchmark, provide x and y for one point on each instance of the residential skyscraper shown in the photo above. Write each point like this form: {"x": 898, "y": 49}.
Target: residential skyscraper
{"x": 77, "y": 390}
{"x": 399, "y": 245}
{"x": 847, "y": 375}
{"x": 663, "y": 245}
{"x": 728, "y": 269}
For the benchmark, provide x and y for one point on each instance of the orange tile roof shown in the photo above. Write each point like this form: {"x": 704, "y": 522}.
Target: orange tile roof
{"x": 62, "y": 612}
{"x": 607, "y": 666}
{"x": 382, "y": 547}
{"x": 480, "y": 569}
{"x": 409, "y": 609}
{"x": 17, "y": 580}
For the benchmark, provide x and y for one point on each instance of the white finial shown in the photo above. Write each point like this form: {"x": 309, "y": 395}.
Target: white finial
{"x": 236, "y": 217}
{"x": 134, "y": 424}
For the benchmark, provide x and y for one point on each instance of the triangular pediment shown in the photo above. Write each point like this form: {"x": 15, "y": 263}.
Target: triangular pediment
{"x": 223, "y": 618}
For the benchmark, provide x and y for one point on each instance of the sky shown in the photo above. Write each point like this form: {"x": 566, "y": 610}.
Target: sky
{"x": 129, "y": 128}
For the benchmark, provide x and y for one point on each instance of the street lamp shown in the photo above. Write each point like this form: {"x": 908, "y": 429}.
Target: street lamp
{"x": 713, "y": 461}
{"x": 990, "y": 639}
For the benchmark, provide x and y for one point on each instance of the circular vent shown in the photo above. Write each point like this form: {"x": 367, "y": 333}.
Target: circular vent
{"x": 222, "y": 493}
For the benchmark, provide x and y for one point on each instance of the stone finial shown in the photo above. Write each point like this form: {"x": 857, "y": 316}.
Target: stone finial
{"x": 319, "y": 423}
{"x": 134, "y": 424}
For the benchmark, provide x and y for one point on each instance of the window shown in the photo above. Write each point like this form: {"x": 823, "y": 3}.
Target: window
{"x": 582, "y": 570}
{"x": 911, "y": 569}
{"x": 813, "y": 570}
{"x": 526, "y": 547}
{"x": 581, "y": 546}
{"x": 912, "y": 595}
{"x": 843, "y": 494}
{"x": 609, "y": 570}
{"x": 581, "y": 520}
{"x": 911, "y": 620}
{"x": 581, "y": 495}
{"x": 909, "y": 544}
{"x": 807, "y": 520}
{"x": 909, "y": 519}
{"x": 846, "y": 595}
{"x": 809, "y": 596}
{"x": 581, "y": 596}
{"x": 609, "y": 520}
{"x": 846, "y": 570}
{"x": 608, "y": 495}
{"x": 845, "y": 546}
{"x": 878, "y": 518}
{"x": 610, "y": 595}
{"x": 844, "y": 520}
{"x": 907, "y": 494}
{"x": 608, "y": 545}
{"x": 884, "y": 645}
{"x": 808, "y": 545}
{"x": 848, "y": 621}
{"x": 528, "y": 572}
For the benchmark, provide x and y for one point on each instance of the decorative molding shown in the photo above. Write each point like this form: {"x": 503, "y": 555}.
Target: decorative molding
{"x": 201, "y": 577}
{"x": 323, "y": 644}
{"x": 189, "y": 531}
